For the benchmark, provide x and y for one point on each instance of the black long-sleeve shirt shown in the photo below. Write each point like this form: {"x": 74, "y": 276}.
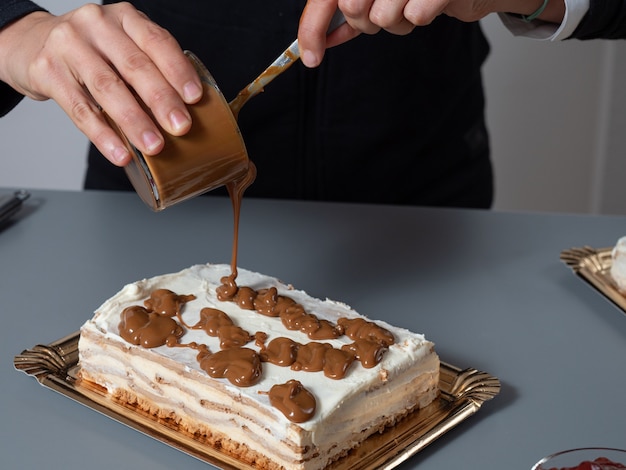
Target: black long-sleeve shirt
{"x": 605, "y": 19}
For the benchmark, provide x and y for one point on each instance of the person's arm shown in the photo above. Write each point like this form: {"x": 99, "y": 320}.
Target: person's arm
{"x": 401, "y": 17}
{"x": 542, "y": 29}
{"x": 12, "y": 10}
{"x": 93, "y": 59}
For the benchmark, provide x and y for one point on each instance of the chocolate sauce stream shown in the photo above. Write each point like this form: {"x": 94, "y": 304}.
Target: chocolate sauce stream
{"x": 235, "y": 190}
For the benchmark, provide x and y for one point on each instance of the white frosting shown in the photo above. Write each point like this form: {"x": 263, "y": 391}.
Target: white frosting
{"x": 405, "y": 360}
{"x": 618, "y": 264}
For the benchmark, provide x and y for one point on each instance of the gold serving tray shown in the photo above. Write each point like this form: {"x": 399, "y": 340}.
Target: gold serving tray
{"x": 594, "y": 266}
{"x": 462, "y": 393}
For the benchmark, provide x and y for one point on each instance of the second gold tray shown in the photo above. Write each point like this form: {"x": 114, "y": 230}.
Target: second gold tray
{"x": 594, "y": 266}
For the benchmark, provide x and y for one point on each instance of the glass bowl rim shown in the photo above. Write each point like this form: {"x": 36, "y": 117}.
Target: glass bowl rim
{"x": 577, "y": 449}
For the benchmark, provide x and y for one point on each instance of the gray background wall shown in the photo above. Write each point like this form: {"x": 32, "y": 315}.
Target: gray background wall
{"x": 556, "y": 113}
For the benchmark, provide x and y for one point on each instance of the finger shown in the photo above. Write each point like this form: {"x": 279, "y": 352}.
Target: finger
{"x": 312, "y": 30}
{"x": 133, "y": 67}
{"x": 165, "y": 52}
{"x": 89, "y": 118}
{"x": 389, "y": 15}
{"x": 78, "y": 78}
{"x": 342, "y": 34}
{"x": 122, "y": 47}
{"x": 134, "y": 119}
{"x": 424, "y": 12}
{"x": 357, "y": 13}
{"x": 85, "y": 66}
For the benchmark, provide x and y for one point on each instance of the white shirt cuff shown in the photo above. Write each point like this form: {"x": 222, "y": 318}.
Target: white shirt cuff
{"x": 575, "y": 10}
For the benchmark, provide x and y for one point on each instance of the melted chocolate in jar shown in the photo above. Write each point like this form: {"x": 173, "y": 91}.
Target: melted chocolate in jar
{"x": 210, "y": 155}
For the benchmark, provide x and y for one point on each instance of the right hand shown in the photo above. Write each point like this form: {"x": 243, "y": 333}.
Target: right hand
{"x": 398, "y": 17}
{"x": 89, "y": 60}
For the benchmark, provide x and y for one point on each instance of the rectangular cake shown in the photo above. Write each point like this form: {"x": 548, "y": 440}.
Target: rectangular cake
{"x": 256, "y": 368}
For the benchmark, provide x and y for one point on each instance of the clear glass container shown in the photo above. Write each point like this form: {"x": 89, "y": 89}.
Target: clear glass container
{"x": 210, "y": 155}
{"x": 589, "y": 458}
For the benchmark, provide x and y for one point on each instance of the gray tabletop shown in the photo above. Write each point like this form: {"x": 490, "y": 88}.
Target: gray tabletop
{"x": 488, "y": 288}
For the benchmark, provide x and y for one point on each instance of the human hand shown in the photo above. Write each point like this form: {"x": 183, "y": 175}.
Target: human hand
{"x": 93, "y": 59}
{"x": 370, "y": 16}
{"x": 397, "y": 17}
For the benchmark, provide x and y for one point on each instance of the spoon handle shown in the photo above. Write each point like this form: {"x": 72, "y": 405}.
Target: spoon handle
{"x": 282, "y": 63}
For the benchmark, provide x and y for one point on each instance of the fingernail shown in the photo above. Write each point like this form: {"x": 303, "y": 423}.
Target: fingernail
{"x": 179, "y": 120}
{"x": 309, "y": 59}
{"x": 192, "y": 92}
{"x": 151, "y": 141}
{"x": 120, "y": 155}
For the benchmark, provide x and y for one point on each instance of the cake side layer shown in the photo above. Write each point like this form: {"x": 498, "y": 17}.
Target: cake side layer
{"x": 169, "y": 390}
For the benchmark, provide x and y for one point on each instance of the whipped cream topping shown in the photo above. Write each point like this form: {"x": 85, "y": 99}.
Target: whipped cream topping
{"x": 618, "y": 264}
{"x": 199, "y": 285}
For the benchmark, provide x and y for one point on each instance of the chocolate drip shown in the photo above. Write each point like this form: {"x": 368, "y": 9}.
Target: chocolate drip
{"x": 147, "y": 329}
{"x": 228, "y": 289}
{"x": 166, "y": 302}
{"x": 267, "y": 302}
{"x": 241, "y": 366}
{"x": 154, "y": 325}
{"x": 359, "y": 328}
{"x": 310, "y": 357}
{"x": 293, "y": 400}
{"x": 217, "y": 324}
{"x": 337, "y": 362}
{"x": 245, "y": 298}
{"x": 281, "y": 352}
{"x": 369, "y": 353}
{"x": 235, "y": 190}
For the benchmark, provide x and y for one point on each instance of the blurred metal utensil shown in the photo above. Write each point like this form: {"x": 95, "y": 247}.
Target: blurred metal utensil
{"x": 12, "y": 205}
